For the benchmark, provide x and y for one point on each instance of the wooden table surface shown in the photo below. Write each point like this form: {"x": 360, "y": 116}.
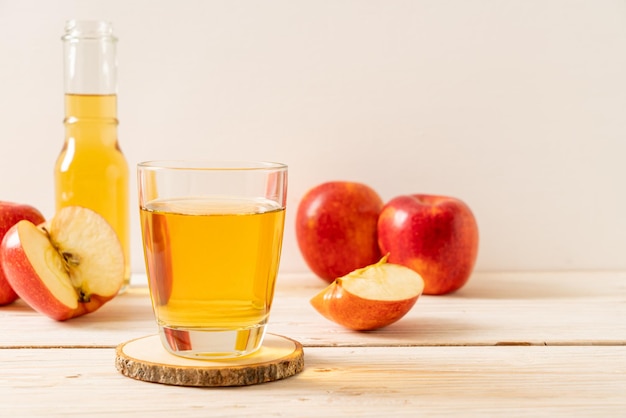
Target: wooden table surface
{"x": 507, "y": 344}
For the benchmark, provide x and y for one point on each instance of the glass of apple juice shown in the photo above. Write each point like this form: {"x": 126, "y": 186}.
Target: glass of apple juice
{"x": 212, "y": 236}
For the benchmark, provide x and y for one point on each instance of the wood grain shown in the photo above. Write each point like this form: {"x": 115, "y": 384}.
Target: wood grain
{"x": 552, "y": 308}
{"x": 507, "y": 344}
{"x": 336, "y": 382}
{"x": 145, "y": 359}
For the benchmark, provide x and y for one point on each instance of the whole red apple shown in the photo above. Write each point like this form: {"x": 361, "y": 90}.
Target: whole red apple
{"x": 10, "y": 214}
{"x": 437, "y": 236}
{"x": 336, "y": 228}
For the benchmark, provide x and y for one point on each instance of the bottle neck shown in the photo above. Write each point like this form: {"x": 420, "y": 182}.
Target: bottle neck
{"x": 90, "y": 60}
{"x": 91, "y": 119}
{"x": 90, "y": 107}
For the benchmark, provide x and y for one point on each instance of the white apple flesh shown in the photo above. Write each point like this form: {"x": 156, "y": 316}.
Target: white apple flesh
{"x": 66, "y": 267}
{"x": 371, "y": 297}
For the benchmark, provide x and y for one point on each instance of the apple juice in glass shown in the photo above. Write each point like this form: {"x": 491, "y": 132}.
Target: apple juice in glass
{"x": 212, "y": 235}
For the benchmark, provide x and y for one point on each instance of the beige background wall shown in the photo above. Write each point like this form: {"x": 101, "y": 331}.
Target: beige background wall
{"x": 517, "y": 107}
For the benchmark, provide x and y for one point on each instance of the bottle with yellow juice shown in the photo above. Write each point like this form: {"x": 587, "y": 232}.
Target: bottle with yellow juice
{"x": 91, "y": 169}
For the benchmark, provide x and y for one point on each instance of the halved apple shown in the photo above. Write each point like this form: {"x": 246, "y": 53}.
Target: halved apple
{"x": 371, "y": 297}
{"x": 66, "y": 267}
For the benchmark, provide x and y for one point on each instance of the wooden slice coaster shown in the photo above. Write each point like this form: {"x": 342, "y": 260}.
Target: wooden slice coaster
{"x": 146, "y": 359}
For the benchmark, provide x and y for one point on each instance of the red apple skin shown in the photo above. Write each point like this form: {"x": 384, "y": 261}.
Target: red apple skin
{"x": 356, "y": 313}
{"x": 336, "y": 228}
{"x": 26, "y": 283}
{"x": 436, "y": 236}
{"x": 10, "y": 214}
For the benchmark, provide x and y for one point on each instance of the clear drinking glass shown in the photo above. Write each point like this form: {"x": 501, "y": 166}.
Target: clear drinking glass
{"x": 212, "y": 237}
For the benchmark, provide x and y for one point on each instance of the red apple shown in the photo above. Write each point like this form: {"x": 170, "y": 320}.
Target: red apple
{"x": 336, "y": 228}
{"x": 371, "y": 297}
{"x": 66, "y": 267}
{"x": 10, "y": 214}
{"x": 437, "y": 236}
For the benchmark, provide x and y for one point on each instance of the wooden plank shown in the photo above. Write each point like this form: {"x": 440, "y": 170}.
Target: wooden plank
{"x": 362, "y": 381}
{"x": 564, "y": 308}
{"x": 560, "y": 308}
{"x": 126, "y": 317}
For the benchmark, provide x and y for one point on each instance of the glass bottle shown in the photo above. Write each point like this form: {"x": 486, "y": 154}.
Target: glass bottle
{"x": 91, "y": 169}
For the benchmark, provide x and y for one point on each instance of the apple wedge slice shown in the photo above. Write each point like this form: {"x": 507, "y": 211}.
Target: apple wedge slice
{"x": 66, "y": 267}
{"x": 371, "y": 297}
